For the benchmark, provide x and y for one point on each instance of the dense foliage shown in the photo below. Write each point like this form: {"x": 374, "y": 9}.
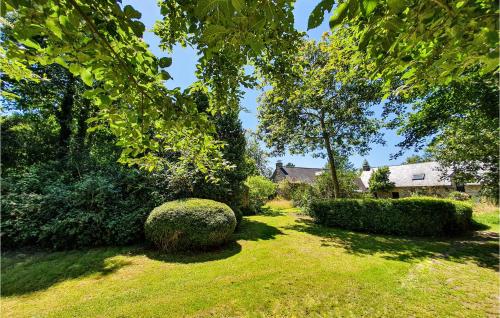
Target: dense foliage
{"x": 459, "y": 196}
{"x": 422, "y": 42}
{"x": 190, "y": 224}
{"x": 409, "y": 216}
{"x": 260, "y": 189}
{"x": 459, "y": 125}
{"x": 70, "y": 205}
{"x": 323, "y": 108}
{"x": 257, "y": 156}
{"x": 62, "y": 186}
{"x": 302, "y": 194}
{"x": 101, "y": 43}
{"x": 379, "y": 180}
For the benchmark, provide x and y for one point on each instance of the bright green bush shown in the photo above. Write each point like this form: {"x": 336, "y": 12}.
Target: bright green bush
{"x": 459, "y": 196}
{"x": 409, "y": 216}
{"x": 190, "y": 224}
{"x": 379, "y": 180}
{"x": 260, "y": 189}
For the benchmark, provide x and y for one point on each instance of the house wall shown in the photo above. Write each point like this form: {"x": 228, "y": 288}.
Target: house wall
{"x": 473, "y": 190}
{"x": 438, "y": 191}
{"x": 278, "y": 175}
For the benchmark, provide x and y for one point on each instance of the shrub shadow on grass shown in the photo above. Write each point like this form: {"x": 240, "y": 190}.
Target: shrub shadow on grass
{"x": 186, "y": 257}
{"x": 252, "y": 230}
{"x": 267, "y": 211}
{"x": 477, "y": 226}
{"x": 478, "y": 247}
{"x": 26, "y": 272}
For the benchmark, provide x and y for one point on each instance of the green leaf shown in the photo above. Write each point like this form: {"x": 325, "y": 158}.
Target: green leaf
{"x": 74, "y": 68}
{"x": 86, "y": 76}
{"x": 238, "y": 4}
{"x": 365, "y": 39}
{"x": 396, "y": 6}
{"x": 203, "y": 7}
{"x": 54, "y": 27}
{"x": 64, "y": 21}
{"x": 165, "y": 62}
{"x": 138, "y": 28}
{"x": 317, "y": 15}
{"x": 165, "y": 75}
{"x": 367, "y": 6}
{"x": 131, "y": 13}
{"x": 408, "y": 73}
{"x": 339, "y": 14}
{"x": 31, "y": 43}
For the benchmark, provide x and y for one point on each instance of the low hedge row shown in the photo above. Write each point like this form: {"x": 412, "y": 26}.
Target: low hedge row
{"x": 409, "y": 216}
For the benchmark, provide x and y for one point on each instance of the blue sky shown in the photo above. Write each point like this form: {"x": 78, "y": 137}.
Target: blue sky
{"x": 183, "y": 73}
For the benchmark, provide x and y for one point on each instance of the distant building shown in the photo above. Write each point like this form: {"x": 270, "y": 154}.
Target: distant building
{"x": 423, "y": 178}
{"x": 295, "y": 174}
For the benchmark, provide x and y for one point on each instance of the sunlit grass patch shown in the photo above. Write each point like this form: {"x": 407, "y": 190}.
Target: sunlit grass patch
{"x": 279, "y": 204}
{"x": 280, "y": 264}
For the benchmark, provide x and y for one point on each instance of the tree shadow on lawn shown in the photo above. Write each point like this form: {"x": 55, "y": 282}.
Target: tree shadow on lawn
{"x": 30, "y": 271}
{"x": 478, "y": 247}
{"x": 267, "y": 211}
{"x": 252, "y": 230}
{"x": 27, "y": 271}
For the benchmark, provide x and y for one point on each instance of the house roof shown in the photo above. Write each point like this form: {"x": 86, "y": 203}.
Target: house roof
{"x": 424, "y": 174}
{"x": 299, "y": 174}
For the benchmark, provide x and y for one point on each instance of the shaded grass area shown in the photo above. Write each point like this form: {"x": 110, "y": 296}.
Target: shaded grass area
{"x": 480, "y": 248}
{"x": 279, "y": 265}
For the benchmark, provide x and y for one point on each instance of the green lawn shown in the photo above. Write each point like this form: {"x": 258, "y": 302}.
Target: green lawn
{"x": 280, "y": 265}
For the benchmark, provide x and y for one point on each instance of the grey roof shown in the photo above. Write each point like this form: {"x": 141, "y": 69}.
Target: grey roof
{"x": 298, "y": 174}
{"x": 410, "y": 175}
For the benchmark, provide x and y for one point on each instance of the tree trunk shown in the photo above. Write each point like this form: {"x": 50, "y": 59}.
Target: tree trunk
{"x": 331, "y": 159}
{"x": 65, "y": 116}
{"x": 81, "y": 133}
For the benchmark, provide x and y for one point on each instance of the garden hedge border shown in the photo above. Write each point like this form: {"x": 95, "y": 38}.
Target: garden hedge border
{"x": 408, "y": 216}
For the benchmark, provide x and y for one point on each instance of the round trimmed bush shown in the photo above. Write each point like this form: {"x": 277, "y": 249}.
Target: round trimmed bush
{"x": 190, "y": 224}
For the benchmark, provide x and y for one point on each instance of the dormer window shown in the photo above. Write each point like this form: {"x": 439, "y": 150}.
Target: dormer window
{"x": 420, "y": 176}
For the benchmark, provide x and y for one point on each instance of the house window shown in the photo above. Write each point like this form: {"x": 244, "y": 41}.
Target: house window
{"x": 420, "y": 176}
{"x": 460, "y": 188}
{"x": 395, "y": 195}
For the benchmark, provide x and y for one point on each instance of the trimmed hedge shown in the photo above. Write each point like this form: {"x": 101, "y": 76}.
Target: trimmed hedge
{"x": 409, "y": 216}
{"x": 190, "y": 224}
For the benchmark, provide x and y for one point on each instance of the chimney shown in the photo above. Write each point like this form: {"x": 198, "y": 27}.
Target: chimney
{"x": 279, "y": 164}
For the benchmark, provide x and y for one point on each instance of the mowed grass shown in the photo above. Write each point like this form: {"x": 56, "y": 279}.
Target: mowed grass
{"x": 488, "y": 216}
{"x": 280, "y": 265}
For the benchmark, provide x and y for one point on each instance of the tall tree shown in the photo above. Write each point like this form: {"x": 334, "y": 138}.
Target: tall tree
{"x": 417, "y": 159}
{"x": 459, "y": 122}
{"x": 324, "y": 107}
{"x": 256, "y": 156}
{"x": 58, "y": 97}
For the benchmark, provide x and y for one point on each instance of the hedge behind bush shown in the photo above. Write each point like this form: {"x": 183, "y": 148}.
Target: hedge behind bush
{"x": 409, "y": 216}
{"x": 190, "y": 224}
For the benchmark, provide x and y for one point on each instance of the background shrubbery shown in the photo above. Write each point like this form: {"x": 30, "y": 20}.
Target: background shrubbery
{"x": 62, "y": 186}
{"x": 459, "y": 196}
{"x": 409, "y": 216}
{"x": 260, "y": 189}
{"x": 56, "y": 206}
{"x": 190, "y": 224}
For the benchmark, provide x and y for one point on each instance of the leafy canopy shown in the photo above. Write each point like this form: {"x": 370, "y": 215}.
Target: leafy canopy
{"x": 100, "y": 42}
{"x": 421, "y": 42}
{"x": 324, "y": 108}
